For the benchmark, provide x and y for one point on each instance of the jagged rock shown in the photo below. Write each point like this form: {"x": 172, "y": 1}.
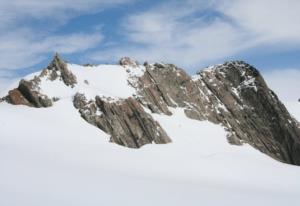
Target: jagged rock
{"x": 125, "y": 120}
{"x": 28, "y": 90}
{"x": 58, "y": 69}
{"x": 27, "y": 94}
{"x": 233, "y": 94}
{"x": 255, "y": 113}
{"x": 126, "y": 61}
{"x": 165, "y": 85}
{"x": 15, "y": 97}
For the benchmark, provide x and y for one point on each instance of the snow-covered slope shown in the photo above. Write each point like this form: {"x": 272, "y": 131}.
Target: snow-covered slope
{"x": 103, "y": 80}
{"x": 51, "y": 156}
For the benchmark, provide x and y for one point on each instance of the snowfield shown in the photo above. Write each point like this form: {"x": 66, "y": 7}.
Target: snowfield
{"x": 51, "y": 156}
{"x": 93, "y": 81}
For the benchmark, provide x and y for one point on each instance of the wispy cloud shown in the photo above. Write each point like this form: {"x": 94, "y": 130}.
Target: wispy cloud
{"x": 273, "y": 21}
{"x": 17, "y": 11}
{"x": 191, "y": 33}
{"x": 27, "y": 29}
{"x": 21, "y": 49}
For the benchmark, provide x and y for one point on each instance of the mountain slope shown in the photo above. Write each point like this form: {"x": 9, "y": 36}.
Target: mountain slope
{"x": 233, "y": 94}
{"x": 51, "y": 156}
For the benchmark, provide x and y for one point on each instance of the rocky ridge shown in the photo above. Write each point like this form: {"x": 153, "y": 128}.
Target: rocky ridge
{"x": 233, "y": 94}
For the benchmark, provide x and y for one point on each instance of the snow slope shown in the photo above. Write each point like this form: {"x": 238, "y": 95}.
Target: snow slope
{"x": 51, "y": 156}
{"x": 103, "y": 80}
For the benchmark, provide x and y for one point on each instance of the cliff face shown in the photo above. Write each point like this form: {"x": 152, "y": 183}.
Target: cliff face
{"x": 254, "y": 113}
{"x": 233, "y": 94}
{"x": 125, "y": 120}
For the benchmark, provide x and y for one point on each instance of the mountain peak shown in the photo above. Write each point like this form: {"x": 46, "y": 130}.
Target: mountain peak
{"x": 58, "y": 69}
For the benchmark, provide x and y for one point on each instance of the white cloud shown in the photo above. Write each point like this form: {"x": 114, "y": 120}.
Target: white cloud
{"x": 178, "y": 37}
{"x": 24, "y": 45}
{"x": 183, "y": 32}
{"x": 21, "y": 49}
{"x": 285, "y": 83}
{"x": 14, "y": 11}
{"x": 271, "y": 20}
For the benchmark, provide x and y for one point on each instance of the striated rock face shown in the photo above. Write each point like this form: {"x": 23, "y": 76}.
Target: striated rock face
{"x": 28, "y": 94}
{"x": 125, "y": 120}
{"x": 233, "y": 95}
{"x": 165, "y": 85}
{"x": 253, "y": 112}
{"x": 58, "y": 69}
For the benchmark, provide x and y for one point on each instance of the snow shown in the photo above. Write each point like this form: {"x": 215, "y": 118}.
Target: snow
{"x": 103, "y": 80}
{"x": 53, "y": 157}
{"x": 249, "y": 83}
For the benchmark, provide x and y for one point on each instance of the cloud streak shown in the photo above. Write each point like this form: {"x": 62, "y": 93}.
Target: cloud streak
{"x": 23, "y": 44}
{"x": 22, "y": 49}
{"x": 200, "y": 32}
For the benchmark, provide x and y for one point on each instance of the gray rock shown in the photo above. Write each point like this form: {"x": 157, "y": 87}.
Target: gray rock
{"x": 58, "y": 69}
{"x": 126, "y": 61}
{"x": 254, "y": 113}
{"x": 125, "y": 120}
{"x": 27, "y": 94}
{"x": 233, "y": 94}
{"x": 165, "y": 85}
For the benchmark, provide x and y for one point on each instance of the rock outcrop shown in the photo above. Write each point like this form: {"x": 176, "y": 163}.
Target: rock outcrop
{"x": 58, "y": 69}
{"x": 28, "y": 92}
{"x": 165, "y": 85}
{"x": 253, "y": 111}
{"x": 233, "y": 94}
{"x": 126, "y": 61}
{"x": 125, "y": 120}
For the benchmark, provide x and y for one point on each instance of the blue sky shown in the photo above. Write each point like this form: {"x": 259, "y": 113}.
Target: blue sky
{"x": 191, "y": 34}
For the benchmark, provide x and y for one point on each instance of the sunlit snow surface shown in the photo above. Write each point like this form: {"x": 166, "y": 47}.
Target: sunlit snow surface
{"x": 53, "y": 157}
{"x": 103, "y": 80}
